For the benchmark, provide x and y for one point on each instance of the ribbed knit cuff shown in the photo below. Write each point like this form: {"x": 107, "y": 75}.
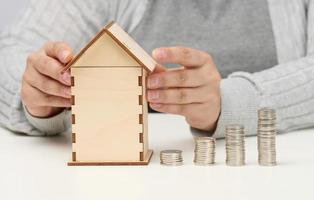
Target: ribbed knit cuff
{"x": 239, "y": 103}
{"x": 52, "y": 125}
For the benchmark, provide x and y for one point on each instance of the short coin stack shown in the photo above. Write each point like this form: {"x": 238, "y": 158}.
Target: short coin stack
{"x": 235, "y": 146}
{"x": 204, "y": 153}
{"x": 171, "y": 157}
{"x": 266, "y": 137}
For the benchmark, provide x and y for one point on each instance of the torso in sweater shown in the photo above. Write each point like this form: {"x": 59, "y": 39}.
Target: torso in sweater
{"x": 238, "y": 34}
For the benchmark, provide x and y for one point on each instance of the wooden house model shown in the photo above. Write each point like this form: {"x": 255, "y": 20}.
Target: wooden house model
{"x": 109, "y": 107}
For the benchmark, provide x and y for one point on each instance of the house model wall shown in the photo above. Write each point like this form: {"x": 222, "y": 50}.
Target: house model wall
{"x": 109, "y": 107}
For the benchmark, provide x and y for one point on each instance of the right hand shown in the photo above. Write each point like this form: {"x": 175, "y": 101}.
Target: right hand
{"x": 45, "y": 91}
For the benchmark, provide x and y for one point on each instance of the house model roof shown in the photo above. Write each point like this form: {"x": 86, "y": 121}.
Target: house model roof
{"x": 125, "y": 42}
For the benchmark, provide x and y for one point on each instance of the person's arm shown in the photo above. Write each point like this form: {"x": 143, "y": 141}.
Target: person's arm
{"x": 287, "y": 87}
{"x": 41, "y": 21}
{"x": 71, "y": 21}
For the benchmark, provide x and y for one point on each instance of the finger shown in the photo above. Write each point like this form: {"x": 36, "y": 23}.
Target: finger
{"x": 181, "y": 55}
{"x": 34, "y": 97}
{"x": 179, "y": 95}
{"x": 177, "y": 78}
{"x": 59, "y": 50}
{"x": 51, "y": 67}
{"x": 46, "y": 84}
{"x": 200, "y": 119}
{"x": 194, "y": 113}
{"x": 159, "y": 68}
{"x": 176, "y": 109}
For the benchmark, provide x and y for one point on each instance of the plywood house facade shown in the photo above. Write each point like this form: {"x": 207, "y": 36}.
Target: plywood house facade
{"x": 109, "y": 107}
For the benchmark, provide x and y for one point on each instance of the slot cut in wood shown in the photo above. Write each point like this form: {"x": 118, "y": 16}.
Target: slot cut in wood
{"x": 141, "y": 139}
{"x": 73, "y": 119}
{"x": 72, "y": 100}
{"x": 73, "y": 156}
{"x": 140, "y": 82}
{"x": 73, "y": 138}
{"x": 72, "y": 81}
{"x": 140, "y": 99}
{"x": 141, "y": 156}
{"x": 140, "y": 116}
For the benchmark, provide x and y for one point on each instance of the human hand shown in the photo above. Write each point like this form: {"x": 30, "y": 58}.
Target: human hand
{"x": 191, "y": 90}
{"x": 45, "y": 91}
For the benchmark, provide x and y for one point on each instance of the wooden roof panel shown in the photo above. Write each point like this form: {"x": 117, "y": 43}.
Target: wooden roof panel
{"x": 125, "y": 41}
{"x": 132, "y": 46}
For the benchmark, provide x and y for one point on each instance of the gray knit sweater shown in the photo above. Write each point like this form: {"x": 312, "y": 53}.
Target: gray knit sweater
{"x": 288, "y": 87}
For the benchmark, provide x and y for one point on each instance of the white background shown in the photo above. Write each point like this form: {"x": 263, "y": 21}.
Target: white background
{"x": 35, "y": 168}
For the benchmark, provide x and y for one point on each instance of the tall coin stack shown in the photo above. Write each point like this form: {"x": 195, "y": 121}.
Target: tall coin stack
{"x": 204, "y": 152}
{"x": 235, "y": 146}
{"x": 171, "y": 157}
{"x": 266, "y": 137}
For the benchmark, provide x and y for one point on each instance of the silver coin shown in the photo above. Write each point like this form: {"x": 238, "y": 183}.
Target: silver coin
{"x": 171, "y": 157}
{"x": 204, "y": 151}
{"x": 235, "y": 145}
{"x": 266, "y": 137}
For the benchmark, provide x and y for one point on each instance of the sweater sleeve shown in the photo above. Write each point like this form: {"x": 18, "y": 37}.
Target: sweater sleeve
{"x": 72, "y": 21}
{"x": 40, "y": 22}
{"x": 287, "y": 87}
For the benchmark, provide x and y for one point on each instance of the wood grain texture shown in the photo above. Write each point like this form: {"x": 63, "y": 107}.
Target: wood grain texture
{"x": 122, "y": 39}
{"x": 132, "y": 47}
{"x": 109, "y": 106}
{"x": 105, "y": 52}
{"x": 107, "y": 114}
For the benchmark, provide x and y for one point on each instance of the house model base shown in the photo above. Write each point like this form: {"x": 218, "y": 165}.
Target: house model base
{"x": 114, "y": 163}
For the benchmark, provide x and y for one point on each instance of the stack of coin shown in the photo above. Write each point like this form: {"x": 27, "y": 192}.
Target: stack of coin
{"x": 171, "y": 157}
{"x": 266, "y": 137}
{"x": 235, "y": 146}
{"x": 204, "y": 152}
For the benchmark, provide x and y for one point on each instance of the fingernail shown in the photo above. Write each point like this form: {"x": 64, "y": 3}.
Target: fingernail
{"x": 159, "y": 54}
{"x": 63, "y": 55}
{"x": 68, "y": 104}
{"x": 155, "y": 105}
{"x": 67, "y": 92}
{"x": 66, "y": 78}
{"x": 153, "y": 82}
{"x": 152, "y": 95}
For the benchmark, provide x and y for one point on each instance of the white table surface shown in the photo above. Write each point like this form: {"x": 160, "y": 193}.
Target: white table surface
{"x": 35, "y": 168}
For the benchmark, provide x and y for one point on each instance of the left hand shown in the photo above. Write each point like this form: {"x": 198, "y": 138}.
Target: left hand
{"x": 191, "y": 90}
